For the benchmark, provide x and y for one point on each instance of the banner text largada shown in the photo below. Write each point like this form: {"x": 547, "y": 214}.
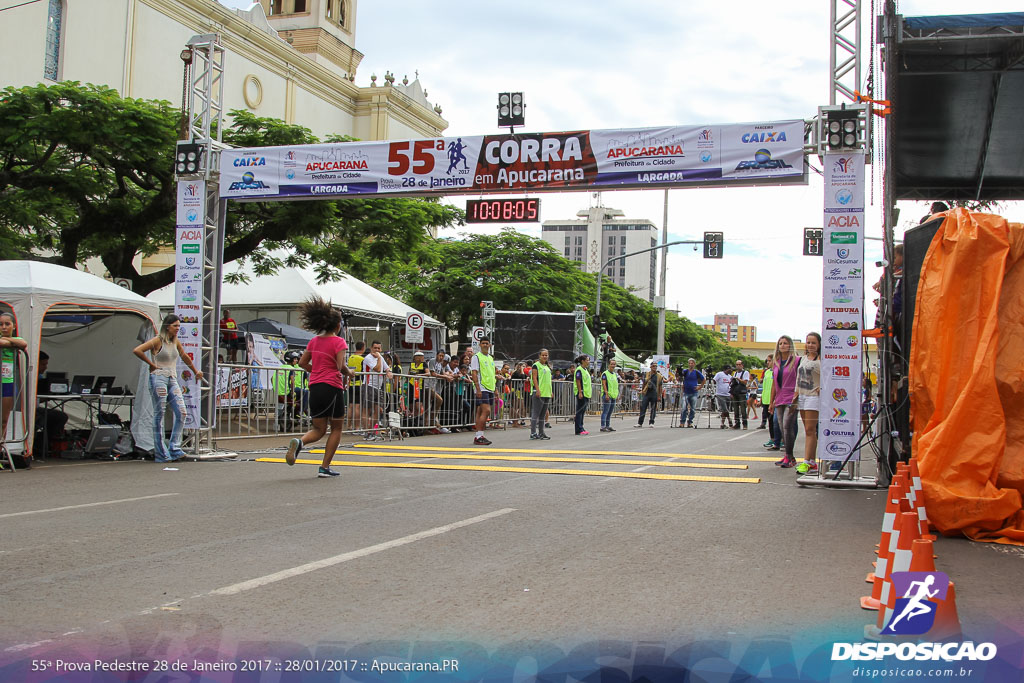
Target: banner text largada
{"x": 671, "y": 156}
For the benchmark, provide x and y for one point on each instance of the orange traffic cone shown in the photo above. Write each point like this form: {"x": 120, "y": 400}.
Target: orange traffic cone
{"x": 922, "y": 514}
{"x": 897, "y": 484}
{"x": 947, "y": 621}
{"x": 921, "y": 558}
{"x": 908, "y": 532}
{"x": 892, "y": 509}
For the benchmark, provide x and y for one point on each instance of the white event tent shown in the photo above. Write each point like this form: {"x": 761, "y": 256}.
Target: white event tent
{"x": 278, "y": 297}
{"x": 87, "y": 326}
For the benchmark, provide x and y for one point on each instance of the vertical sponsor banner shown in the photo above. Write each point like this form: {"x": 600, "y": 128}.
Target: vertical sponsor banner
{"x": 188, "y": 287}
{"x": 842, "y": 307}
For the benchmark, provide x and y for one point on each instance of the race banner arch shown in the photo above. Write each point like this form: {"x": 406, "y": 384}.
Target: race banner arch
{"x": 765, "y": 153}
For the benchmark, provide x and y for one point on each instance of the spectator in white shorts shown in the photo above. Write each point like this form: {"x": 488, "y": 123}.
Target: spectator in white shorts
{"x": 808, "y": 387}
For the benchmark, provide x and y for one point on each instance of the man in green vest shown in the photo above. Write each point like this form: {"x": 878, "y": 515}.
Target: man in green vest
{"x": 584, "y": 386}
{"x": 609, "y": 395}
{"x": 481, "y": 370}
{"x": 767, "y": 387}
{"x": 540, "y": 378}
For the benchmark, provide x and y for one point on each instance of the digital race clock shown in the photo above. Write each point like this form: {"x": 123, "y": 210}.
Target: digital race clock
{"x": 521, "y": 210}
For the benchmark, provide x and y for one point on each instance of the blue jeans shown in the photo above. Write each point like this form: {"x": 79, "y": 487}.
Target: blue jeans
{"x": 161, "y": 386}
{"x": 689, "y": 408}
{"x": 607, "y": 407}
{"x": 785, "y": 427}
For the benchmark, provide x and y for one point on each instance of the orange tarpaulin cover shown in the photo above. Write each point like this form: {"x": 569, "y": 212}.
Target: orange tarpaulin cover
{"x": 967, "y": 377}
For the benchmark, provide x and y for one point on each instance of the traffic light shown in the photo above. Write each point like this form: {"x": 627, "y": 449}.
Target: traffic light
{"x": 842, "y": 129}
{"x": 511, "y": 109}
{"x": 812, "y": 242}
{"x": 188, "y": 158}
{"x": 713, "y": 244}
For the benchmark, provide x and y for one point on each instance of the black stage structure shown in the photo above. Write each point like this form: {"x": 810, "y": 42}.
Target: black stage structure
{"x": 956, "y": 133}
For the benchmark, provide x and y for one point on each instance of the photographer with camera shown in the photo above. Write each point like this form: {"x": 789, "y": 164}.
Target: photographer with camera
{"x": 738, "y": 392}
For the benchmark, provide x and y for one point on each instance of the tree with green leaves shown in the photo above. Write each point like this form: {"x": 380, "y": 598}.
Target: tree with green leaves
{"x": 450, "y": 277}
{"x": 86, "y": 173}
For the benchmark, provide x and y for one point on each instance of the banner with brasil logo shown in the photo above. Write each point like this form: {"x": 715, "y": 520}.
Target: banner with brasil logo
{"x": 842, "y": 307}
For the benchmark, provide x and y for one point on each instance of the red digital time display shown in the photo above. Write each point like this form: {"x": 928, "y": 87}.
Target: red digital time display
{"x": 521, "y": 210}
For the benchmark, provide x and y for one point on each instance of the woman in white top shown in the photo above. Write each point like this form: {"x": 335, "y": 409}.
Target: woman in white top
{"x": 808, "y": 387}
{"x": 164, "y": 351}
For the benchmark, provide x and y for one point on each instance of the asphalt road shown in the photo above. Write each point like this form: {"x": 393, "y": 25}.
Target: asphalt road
{"x": 129, "y": 560}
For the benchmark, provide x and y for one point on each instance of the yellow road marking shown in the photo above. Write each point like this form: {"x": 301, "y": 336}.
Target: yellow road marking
{"x": 742, "y": 458}
{"x": 530, "y": 470}
{"x": 537, "y": 458}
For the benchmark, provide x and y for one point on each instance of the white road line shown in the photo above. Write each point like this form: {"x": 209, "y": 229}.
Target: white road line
{"x": 87, "y": 505}
{"x": 741, "y": 436}
{"x": 234, "y": 589}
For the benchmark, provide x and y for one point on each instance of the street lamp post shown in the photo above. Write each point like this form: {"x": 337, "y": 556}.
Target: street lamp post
{"x": 600, "y": 274}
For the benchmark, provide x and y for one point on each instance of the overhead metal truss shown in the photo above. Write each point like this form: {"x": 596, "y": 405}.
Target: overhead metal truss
{"x": 844, "y": 49}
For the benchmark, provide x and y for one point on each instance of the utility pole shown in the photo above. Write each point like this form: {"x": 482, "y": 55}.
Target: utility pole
{"x": 660, "y": 300}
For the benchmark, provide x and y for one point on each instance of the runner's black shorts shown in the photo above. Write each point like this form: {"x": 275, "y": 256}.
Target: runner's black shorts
{"x": 326, "y": 400}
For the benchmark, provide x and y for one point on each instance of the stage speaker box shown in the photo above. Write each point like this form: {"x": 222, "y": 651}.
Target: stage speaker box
{"x": 915, "y": 246}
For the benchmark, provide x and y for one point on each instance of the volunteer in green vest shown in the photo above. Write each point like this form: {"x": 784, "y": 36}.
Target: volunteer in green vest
{"x": 540, "y": 378}
{"x": 286, "y": 378}
{"x": 355, "y": 386}
{"x": 481, "y": 369}
{"x": 609, "y": 395}
{"x": 10, "y": 345}
{"x": 767, "y": 386}
{"x": 584, "y": 386}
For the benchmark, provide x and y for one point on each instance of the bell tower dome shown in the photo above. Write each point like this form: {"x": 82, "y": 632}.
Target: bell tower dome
{"x": 324, "y": 30}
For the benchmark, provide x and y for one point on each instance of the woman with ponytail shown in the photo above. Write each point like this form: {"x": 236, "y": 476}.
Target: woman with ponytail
{"x": 324, "y": 360}
{"x": 784, "y": 398}
{"x": 165, "y": 350}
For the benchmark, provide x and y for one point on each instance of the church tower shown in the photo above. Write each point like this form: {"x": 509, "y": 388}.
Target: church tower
{"x": 323, "y": 30}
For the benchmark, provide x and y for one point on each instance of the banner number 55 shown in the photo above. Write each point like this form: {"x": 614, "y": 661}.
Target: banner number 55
{"x": 422, "y": 160}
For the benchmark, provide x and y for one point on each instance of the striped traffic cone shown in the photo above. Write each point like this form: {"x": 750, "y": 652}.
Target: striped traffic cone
{"x": 892, "y": 509}
{"x": 908, "y": 532}
{"x": 947, "y": 621}
{"x": 922, "y": 514}
{"x": 897, "y": 494}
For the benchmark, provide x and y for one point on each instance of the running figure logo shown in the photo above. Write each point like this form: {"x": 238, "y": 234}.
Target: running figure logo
{"x": 455, "y": 155}
{"x": 914, "y": 613}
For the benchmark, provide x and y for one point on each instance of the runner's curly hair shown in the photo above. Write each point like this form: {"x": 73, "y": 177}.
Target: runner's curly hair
{"x": 318, "y": 315}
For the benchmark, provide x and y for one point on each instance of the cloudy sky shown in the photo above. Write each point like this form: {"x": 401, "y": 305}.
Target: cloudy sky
{"x": 599, "y": 64}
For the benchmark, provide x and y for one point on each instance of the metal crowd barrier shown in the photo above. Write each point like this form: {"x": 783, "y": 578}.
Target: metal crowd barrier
{"x": 250, "y": 403}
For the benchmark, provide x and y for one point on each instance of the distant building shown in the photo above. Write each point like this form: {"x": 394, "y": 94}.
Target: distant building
{"x": 293, "y": 60}
{"x": 600, "y": 233}
{"x": 731, "y": 330}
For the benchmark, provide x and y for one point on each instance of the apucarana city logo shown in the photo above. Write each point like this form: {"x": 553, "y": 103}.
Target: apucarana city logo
{"x": 914, "y": 615}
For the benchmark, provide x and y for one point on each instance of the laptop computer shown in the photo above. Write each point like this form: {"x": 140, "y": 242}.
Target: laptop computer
{"x": 82, "y": 384}
{"x": 102, "y": 439}
{"x": 54, "y": 383}
{"x": 103, "y": 385}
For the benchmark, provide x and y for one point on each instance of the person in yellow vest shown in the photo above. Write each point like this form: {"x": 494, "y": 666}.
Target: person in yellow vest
{"x": 609, "y": 395}
{"x": 481, "y": 370}
{"x": 584, "y": 387}
{"x": 285, "y": 380}
{"x": 540, "y": 381}
{"x": 418, "y": 390}
{"x": 355, "y": 386}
